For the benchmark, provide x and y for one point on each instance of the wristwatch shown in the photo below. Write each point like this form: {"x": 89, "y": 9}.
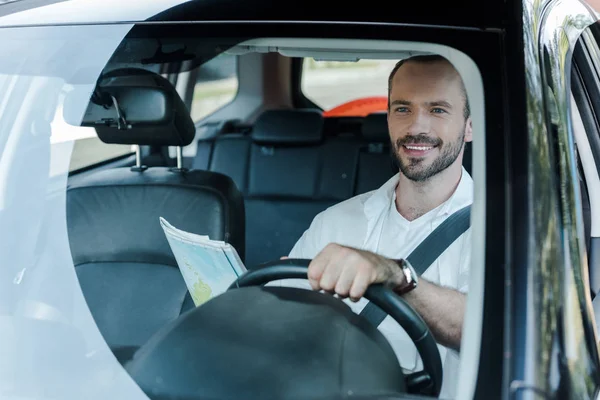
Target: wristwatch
{"x": 410, "y": 277}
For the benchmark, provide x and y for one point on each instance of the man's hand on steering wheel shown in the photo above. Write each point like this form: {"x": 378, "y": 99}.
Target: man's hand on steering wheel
{"x": 348, "y": 271}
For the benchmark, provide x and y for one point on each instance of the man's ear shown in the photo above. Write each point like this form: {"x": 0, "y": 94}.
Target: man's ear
{"x": 469, "y": 130}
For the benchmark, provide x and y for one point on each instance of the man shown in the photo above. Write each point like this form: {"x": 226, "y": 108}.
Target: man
{"x": 354, "y": 244}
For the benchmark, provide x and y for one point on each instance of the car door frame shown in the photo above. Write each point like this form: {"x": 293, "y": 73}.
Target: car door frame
{"x": 554, "y": 345}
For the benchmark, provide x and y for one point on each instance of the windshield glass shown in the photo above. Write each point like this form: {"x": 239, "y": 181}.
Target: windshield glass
{"x": 48, "y": 335}
{"x": 144, "y": 169}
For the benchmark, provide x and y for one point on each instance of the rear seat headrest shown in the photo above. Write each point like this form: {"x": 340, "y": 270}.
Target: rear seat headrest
{"x": 289, "y": 127}
{"x": 150, "y": 111}
{"x": 375, "y": 127}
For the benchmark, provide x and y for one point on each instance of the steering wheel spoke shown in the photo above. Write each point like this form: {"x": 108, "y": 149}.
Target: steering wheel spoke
{"x": 419, "y": 382}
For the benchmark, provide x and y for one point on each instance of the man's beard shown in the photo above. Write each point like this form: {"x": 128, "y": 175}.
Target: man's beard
{"x": 414, "y": 168}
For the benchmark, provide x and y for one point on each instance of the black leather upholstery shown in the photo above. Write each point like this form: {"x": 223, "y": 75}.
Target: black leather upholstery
{"x": 375, "y": 128}
{"x": 376, "y": 163}
{"x": 289, "y": 127}
{"x": 123, "y": 261}
{"x": 126, "y": 269}
{"x": 468, "y": 157}
{"x": 113, "y": 214}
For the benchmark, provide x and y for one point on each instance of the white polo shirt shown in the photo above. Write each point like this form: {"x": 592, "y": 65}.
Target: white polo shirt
{"x": 371, "y": 222}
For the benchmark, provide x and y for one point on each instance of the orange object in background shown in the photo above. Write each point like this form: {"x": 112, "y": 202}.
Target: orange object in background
{"x": 359, "y": 107}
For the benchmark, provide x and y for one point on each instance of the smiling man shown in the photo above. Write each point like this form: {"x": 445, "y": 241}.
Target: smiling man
{"x": 363, "y": 240}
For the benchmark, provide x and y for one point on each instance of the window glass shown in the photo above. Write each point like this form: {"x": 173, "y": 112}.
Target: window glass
{"x": 345, "y": 88}
{"x": 292, "y": 179}
{"x": 217, "y": 85}
{"x": 88, "y": 149}
{"x": 582, "y": 253}
{"x": 41, "y": 299}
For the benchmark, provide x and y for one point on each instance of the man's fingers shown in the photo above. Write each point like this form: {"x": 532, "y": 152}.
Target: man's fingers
{"x": 315, "y": 270}
{"x": 331, "y": 275}
{"x": 359, "y": 286}
{"x": 345, "y": 280}
{"x": 344, "y": 271}
{"x": 318, "y": 264}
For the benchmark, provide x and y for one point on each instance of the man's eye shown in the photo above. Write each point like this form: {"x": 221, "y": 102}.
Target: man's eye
{"x": 438, "y": 110}
{"x": 402, "y": 109}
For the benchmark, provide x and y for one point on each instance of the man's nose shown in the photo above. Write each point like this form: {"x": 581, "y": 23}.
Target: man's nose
{"x": 420, "y": 123}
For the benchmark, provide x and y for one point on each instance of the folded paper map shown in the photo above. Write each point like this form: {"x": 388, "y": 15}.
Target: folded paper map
{"x": 208, "y": 266}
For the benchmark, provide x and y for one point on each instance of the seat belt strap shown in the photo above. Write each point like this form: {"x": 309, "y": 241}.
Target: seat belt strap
{"x": 427, "y": 252}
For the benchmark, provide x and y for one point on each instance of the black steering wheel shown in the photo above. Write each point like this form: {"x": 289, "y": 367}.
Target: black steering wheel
{"x": 429, "y": 380}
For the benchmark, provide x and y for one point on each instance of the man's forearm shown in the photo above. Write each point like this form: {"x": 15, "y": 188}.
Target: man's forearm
{"x": 442, "y": 309}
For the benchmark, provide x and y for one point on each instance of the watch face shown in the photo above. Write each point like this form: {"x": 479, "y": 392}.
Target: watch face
{"x": 412, "y": 272}
{"x": 407, "y": 275}
{"x": 410, "y": 276}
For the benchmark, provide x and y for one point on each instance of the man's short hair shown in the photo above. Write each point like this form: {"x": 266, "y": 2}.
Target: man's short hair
{"x": 427, "y": 59}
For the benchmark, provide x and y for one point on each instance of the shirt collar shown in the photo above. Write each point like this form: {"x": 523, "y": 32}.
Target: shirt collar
{"x": 382, "y": 197}
{"x": 462, "y": 196}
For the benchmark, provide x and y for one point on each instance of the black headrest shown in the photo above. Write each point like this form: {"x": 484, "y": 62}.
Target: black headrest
{"x": 268, "y": 343}
{"x": 289, "y": 127}
{"x": 375, "y": 127}
{"x": 150, "y": 111}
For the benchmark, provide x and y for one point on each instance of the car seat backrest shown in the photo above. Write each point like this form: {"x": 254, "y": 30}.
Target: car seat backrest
{"x": 128, "y": 274}
{"x": 376, "y": 164}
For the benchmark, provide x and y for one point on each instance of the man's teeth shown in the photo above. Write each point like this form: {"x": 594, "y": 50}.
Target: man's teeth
{"x": 422, "y": 148}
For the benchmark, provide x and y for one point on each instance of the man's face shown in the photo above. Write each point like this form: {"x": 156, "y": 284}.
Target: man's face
{"x": 426, "y": 119}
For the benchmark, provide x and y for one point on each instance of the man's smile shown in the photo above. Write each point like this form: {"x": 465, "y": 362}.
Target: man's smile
{"x": 417, "y": 150}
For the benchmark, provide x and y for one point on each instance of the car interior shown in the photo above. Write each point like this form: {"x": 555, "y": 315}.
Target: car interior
{"x": 242, "y": 122}
{"x": 244, "y": 145}
{"x": 278, "y": 172}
